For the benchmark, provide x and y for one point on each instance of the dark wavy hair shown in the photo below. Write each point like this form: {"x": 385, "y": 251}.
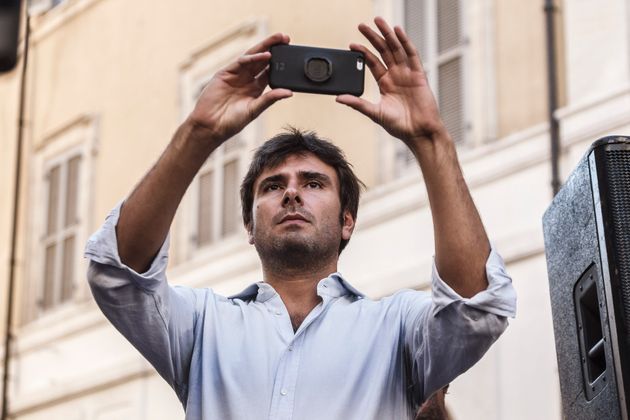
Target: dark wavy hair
{"x": 296, "y": 142}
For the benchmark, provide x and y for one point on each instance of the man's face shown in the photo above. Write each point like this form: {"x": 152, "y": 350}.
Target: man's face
{"x": 296, "y": 210}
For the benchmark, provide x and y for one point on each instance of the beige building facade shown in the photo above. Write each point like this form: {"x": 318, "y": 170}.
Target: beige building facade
{"x": 108, "y": 82}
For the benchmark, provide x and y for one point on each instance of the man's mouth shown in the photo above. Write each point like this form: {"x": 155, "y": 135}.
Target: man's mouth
{"x": 293, "y": 218}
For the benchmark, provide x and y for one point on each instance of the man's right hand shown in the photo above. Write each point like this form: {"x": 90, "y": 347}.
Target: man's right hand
{"x": 234, "y": 96}
{"x": 230, "y": 101}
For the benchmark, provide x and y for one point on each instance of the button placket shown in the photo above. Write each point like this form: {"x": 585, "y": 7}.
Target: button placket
{"x": 289, "y": 380}
{"x": 285, "y": 380}
{"x": 285, "y": 386}
{"x": 286, "y": 373}
{"x": 281, "y": 320}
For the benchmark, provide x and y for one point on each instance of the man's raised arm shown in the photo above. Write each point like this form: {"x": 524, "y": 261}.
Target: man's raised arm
{"x": 231, "y": 100}
{"x": 408, "y": 111}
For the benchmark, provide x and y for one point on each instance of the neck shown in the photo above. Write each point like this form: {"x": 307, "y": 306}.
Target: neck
{"x": 298, "y": 288}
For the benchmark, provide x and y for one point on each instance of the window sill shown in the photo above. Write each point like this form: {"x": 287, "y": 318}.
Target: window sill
{"x": 63, "y": 321}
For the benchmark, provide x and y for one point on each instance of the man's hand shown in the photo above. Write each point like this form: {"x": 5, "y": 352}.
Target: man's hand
{"x": 234, "y": 96}
{"x": 231, "y": 100}
{"x": 407, "y": 109}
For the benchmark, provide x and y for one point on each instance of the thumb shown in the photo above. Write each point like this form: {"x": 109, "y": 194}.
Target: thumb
{"x": 366, "y": 108}
{"x": 258, "y": 105}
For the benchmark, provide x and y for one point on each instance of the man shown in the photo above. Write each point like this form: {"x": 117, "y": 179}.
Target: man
{"x": 304, "y": 344}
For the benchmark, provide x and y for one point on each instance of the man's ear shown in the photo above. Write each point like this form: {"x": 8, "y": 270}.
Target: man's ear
{"x": 250, "y": 233}
{"x": 347, "y": 226}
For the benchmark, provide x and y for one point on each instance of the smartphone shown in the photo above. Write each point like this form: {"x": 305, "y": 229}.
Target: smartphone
{"x": 316, "y": 70}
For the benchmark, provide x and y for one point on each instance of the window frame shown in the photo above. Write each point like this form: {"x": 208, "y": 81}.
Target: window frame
{"x": 77, "y": 138}
{"x": 62, "y": 231}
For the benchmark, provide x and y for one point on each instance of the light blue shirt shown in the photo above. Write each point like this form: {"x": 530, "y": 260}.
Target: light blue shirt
{"x": 351, "y": 358}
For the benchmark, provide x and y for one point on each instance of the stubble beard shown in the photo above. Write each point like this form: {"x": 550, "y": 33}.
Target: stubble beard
{"x": 296, "y": 251}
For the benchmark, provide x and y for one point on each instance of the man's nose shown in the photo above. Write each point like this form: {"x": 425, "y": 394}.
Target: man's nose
{"x": 291, "y": 196}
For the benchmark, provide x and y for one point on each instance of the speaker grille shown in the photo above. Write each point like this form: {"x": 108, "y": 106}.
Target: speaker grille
{"x": 618, "y": 168}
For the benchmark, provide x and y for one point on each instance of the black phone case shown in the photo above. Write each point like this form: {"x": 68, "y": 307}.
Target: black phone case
{"x": 287, "y": 69}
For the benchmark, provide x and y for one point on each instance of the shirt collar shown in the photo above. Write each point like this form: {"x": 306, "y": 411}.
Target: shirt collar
{"x": 334, "y": 285}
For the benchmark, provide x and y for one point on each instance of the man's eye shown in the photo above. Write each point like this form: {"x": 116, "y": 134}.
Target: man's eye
{"x": 272, "y": 187}
{"x": 314, "y": 184}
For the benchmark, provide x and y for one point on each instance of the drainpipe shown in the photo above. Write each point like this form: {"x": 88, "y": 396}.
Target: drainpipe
{"x": 16, "y": 202}
{"x": 552, "y": 95}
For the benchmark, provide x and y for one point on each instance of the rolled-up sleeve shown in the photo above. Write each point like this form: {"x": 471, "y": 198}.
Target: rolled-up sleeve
{"x": 158, "y": 319}
{"x": 453, "y": 333}
{"x": 499, "y": 298}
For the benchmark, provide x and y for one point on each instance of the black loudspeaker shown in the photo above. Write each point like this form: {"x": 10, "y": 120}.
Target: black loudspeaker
{"x": 587, "y": 244}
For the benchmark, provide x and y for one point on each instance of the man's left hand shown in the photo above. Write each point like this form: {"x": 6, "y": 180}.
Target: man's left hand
{"x": 407, "y": 109}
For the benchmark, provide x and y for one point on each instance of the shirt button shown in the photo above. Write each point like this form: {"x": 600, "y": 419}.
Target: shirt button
{"x": 283, "y": 392}
{"x": 290, "y": 348}
{"x": 278, "y": 313}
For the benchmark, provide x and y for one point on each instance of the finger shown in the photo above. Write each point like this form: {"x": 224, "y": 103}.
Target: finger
{"x": 378, "y": 43}
{"x": 246, "y": 67}
{"x": 374, "y": 64}
{"x": 258, "y": 105}
{"x": 397, "y": 51}
{"x": 266, "y": 43}
{"x": 254, "y": 63}
{"x": 412, "y": 53}
{"x": 262, "y": 79}
{"x": 366, "y": 108}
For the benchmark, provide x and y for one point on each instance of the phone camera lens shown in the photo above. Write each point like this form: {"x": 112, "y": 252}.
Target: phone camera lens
{"x": 318, "y": 69}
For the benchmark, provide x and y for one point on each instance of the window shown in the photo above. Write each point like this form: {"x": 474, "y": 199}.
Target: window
{"x": 60, "y": 240}
{"x": 218, "y": 208}
{"x": 210, "y": 212}
{"x": 58, "y": 211}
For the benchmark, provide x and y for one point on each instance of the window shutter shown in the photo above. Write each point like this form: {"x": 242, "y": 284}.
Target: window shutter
{"x": 53, "y": 199}
{"x": 415, "y": 15}
{"x": 449, "y": 28}
{"x": 450, "y": 77}
{"x": 48, "y": 299}
{"x": 205, "y": 216}
{"x": 67, "y": 269}
{"x": 450, "y": 97}
{"x": 434, "y": 26}
{"x": 230, "y": 197}
{"x": 72, "y": 191}
{"x": 50, "y": 255}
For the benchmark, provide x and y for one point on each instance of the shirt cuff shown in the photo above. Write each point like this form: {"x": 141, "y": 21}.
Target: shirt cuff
{"x": 102, "y": 247}
{"x": 499, "y": 298}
